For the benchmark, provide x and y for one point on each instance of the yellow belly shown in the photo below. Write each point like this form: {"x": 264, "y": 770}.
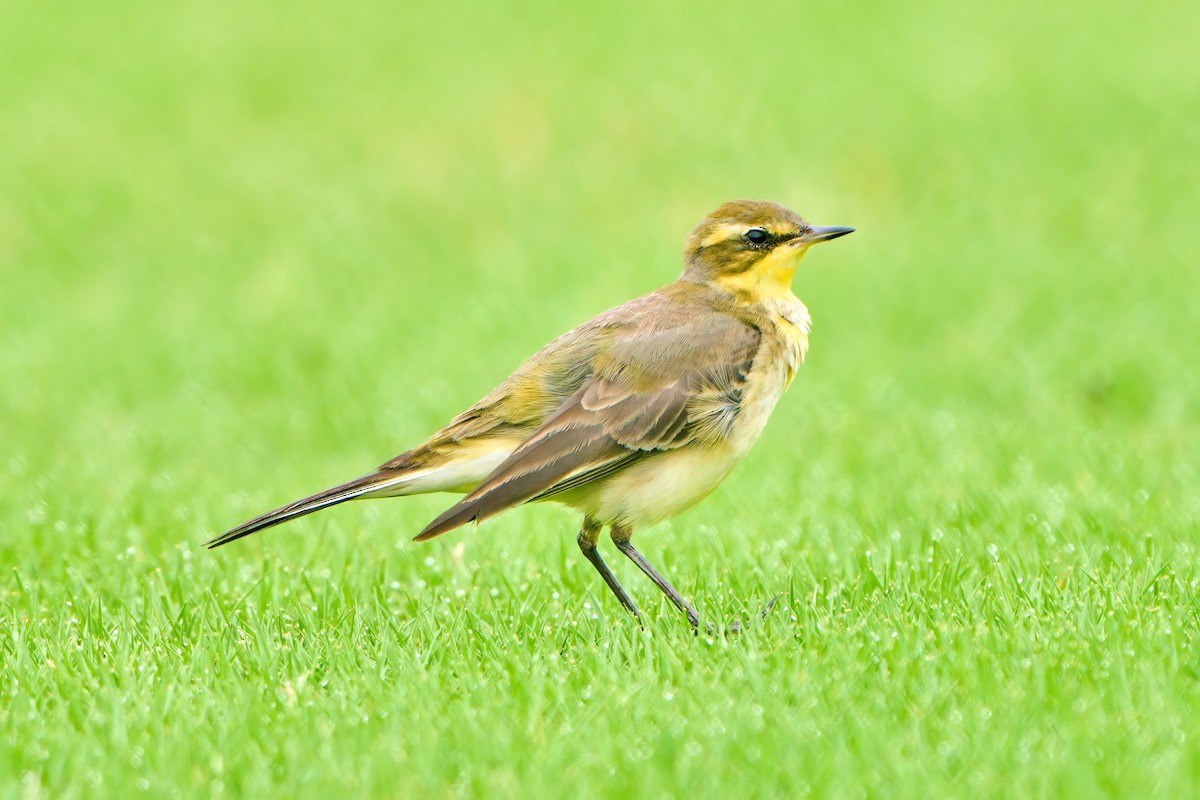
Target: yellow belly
{"x": 656, "y": 487}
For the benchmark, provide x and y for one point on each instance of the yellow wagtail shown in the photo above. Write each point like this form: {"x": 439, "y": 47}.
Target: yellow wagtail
{"x": 633, "y": 416}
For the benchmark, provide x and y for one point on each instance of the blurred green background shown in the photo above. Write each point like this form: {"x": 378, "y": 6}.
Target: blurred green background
{"x": 248, "y": 251}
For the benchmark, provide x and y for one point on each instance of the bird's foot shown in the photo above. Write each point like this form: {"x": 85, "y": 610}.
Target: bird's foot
{"x": 735, "y": 628}
{"x": 767, "y": 608}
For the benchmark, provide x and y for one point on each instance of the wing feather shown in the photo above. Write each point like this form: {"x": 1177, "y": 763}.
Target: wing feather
{"x": 639, "y": 400}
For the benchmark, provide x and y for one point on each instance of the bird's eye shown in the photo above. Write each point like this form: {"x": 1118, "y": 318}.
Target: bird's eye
{"x": 756, "y": 236}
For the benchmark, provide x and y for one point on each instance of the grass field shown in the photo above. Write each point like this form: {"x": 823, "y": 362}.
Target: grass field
{"x": 247, "y": 253}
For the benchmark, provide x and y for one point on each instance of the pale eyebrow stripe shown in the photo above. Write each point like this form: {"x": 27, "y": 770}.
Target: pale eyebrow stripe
{"x": 733, "y": 230}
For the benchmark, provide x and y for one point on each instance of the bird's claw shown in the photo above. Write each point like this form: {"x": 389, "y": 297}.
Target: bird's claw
{"x": 767, "y": 608}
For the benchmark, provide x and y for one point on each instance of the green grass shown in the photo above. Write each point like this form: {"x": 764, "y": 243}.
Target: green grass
{"x": 245, "y": 254}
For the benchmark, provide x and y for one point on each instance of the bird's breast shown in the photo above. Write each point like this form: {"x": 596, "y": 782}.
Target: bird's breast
{"x": 792, "y": 324}
{"x": 779, "y": 357}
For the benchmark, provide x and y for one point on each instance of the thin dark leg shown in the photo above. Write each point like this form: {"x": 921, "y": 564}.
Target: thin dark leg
{"x": 620, "y": 538}
{"x": 588, "y": 535}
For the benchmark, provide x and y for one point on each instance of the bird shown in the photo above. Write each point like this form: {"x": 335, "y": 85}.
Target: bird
{"x": 631, "y": 417}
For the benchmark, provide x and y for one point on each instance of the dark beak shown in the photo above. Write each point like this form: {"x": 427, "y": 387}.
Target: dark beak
{"x": 818, "y": 234}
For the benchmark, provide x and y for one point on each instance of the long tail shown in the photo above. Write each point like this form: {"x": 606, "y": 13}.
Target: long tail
{"x": 359, "y": 487}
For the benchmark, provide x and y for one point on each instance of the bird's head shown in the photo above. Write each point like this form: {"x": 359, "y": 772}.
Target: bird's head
{"x": 751, "y": 246}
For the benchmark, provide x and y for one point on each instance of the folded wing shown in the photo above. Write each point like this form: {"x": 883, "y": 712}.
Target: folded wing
{"x": 677, "y": 385}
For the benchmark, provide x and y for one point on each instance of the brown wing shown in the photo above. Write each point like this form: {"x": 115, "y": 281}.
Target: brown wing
{"x": 656, "y": 387}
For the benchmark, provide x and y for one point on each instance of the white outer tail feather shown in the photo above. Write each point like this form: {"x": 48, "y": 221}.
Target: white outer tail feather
{"x": 455, "y": 476}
